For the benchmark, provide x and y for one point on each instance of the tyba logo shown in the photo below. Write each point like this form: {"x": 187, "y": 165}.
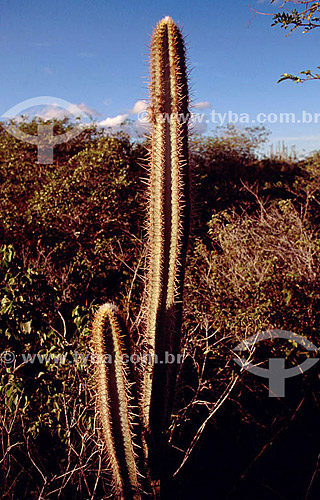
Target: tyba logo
{"x": 44, "y": 140}
{"x": 276, "y": 373}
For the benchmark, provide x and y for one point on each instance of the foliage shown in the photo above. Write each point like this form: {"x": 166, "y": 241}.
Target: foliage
{"x": 46, "y": 403}
{"x": 307, "y": 17}
{"x": 66, "y": 240}
{"x": 253, "y": 263}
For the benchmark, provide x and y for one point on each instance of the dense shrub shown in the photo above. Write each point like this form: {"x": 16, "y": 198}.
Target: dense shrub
{"x": 72, "y": 237}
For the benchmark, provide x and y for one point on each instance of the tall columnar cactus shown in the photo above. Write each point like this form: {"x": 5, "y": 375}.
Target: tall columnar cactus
{"x": 168, "y": 226}
{"x": 168, "y": 218}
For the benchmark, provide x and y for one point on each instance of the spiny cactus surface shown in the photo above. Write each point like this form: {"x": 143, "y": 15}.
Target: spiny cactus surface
{"x": 168, "y": 223}
{"x": 115, "y": 402}
{"x": 168, "y": 227}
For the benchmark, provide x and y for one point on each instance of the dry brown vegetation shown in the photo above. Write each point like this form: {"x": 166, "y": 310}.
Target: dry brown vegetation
{"x": 72, "y": 238}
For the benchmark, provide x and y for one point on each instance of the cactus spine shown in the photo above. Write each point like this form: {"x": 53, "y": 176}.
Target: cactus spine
{"x": 168, "y": 227}
{"x": 168, "y": 223}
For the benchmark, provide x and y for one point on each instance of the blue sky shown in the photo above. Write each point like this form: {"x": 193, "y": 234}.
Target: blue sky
{"x": 94, "y": 54}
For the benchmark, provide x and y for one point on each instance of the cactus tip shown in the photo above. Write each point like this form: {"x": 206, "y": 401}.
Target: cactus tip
{"x": 166, "y": 20}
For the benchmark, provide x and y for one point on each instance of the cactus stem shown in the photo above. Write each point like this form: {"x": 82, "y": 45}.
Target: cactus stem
{"x": 168, "y": 215}
{"x": 115, "y": 402}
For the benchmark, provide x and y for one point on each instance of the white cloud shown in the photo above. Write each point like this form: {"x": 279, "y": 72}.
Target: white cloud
{"x": 198, "y": 126}
{"x": 55, "y": 111}
{"x": 143, "y": 127}
{"x": 52, "y": 111}
{"x": 138, "y": 107}
{"x": 113, "y": 121}
{"x": 84, "y": 108}
{"x": 203, "y": 105}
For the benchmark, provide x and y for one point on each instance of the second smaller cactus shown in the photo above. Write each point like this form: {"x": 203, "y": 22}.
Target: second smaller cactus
{"x": 116, "y": 401}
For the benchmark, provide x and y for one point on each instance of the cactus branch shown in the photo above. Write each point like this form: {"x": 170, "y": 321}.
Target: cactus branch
{"x": 115, "y": 402}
